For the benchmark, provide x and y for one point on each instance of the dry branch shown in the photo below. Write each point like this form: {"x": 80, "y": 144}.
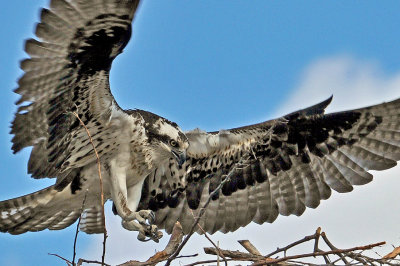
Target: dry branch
{"x": 77, "y": 229}
{"x": 81, "y": 261}
{"x": 393, "y": 254}
{"x": 202, "y": 211}
{"x": 64, "y": 259}
{"x": 249, "y": 247}
{"x": 103, "y": 217}
{"x": 212, "y": 242}
{"x": 320, "y": 253}
{"x": 236, "y": 255}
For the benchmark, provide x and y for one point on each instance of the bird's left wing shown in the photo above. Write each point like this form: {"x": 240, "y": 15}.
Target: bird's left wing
{"x": 68, "y": 71}
{"x": 277, "y": 167}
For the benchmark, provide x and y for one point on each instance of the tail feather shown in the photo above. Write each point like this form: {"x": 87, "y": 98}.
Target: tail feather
{"x": 92, "y": 220}
{"x": 66, "y": 219}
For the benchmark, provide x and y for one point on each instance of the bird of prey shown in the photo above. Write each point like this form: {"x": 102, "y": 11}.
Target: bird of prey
{"x": 155, "y": 173}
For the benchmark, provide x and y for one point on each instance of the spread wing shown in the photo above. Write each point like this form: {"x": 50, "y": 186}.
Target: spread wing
{"x": 68, "y": 71}
{"x": 277, "y": 167}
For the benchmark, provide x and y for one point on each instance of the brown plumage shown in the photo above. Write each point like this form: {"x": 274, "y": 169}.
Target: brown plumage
{"x": 277, "y": 167}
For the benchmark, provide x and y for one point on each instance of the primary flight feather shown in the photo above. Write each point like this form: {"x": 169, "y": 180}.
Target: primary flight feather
{"x": 155, "y": 173}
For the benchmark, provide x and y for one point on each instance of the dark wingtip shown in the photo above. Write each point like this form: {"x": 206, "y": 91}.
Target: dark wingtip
{"x": 316, "y": 109}
{"x": 319, "y": 108}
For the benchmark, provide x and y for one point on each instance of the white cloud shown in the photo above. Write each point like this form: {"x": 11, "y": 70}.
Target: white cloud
{"x": 353, "y": 83}
{"x": 367, "y": 215}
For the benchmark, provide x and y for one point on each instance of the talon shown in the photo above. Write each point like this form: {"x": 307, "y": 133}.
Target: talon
{"x": 142, "y": 237}
{"x": 147, "y": 215}
{"x": 154, "y": 234}
{"x": 147, "y": 231}
{"x": 152, "y": 217}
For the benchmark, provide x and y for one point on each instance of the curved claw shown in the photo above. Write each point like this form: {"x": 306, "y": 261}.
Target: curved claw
{"x": 150, "y": 233}
{"x": 147, "y": 215}
{"x": 146, "y": 231}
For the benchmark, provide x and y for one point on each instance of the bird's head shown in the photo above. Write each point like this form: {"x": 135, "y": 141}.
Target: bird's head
{"x": 166, "y": 139}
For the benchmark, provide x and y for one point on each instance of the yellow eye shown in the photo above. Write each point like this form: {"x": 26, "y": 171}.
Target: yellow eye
{"x": 173, "y": 143}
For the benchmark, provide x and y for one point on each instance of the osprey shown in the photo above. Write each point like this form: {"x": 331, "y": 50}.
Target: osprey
{"x": 155, "y": 173}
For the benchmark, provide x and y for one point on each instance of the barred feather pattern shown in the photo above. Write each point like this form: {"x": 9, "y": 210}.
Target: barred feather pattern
{"x": 68, "y": 71}
{"x": 35, "y": 212}
{"x": 56, "y": 208}
{"x": 293, "y": 163}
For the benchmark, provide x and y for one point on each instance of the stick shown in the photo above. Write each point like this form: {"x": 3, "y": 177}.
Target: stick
{"x": 64, "y": 259}
{"x": 101, "y": 187}
{"x": 212, "y": 242}
{"x": 236, "y": 255}
{"x": 77, "y": 229}
{"x": 202, "y": 211}
{"x": 284, "y": 249}
{"x": 332, "y": 247}
{"x": 249, "y": 247}
{"x": 321, "y": 253}
{"x": 80, "y": 261}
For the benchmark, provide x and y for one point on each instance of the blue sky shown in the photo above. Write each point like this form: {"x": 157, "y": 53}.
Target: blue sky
{"x": 222, "y": 64}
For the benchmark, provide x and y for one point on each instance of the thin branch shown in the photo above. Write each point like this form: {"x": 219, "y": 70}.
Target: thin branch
{"x": 305, "y": 239}
{"x": 236, "y": 255}
{"x": 101, "y": 187}
{"x": 212, "y": 242}
{"x": 202, "y": 211}
{"x": 77, "y": 228}
{"x": 202, "y": 262}
{"x": 188, "y": 256}
{"x": 332, "y": 247}
{"x": 317, "y": 235}
{"x": 80, "y": 261}
{"x": 321, "y": 253}
{"x": 64, "y": 259}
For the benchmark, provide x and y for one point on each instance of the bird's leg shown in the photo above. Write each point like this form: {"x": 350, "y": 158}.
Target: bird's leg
{"x": 126, "y": 201}
{"x": 119, "y": 192}
{"x": 145, "y": 218}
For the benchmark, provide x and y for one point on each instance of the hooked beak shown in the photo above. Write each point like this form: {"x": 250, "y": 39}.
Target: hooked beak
{"x": 180, "y": 157}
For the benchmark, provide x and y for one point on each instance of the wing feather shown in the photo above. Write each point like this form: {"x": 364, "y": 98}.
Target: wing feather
{"x": 68, "y": 71}
{"x": 282, "y": 166}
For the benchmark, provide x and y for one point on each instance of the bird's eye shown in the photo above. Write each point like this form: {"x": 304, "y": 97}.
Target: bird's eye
{"x": 173, "y": 143}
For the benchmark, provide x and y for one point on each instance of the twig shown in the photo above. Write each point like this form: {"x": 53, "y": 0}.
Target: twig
{"x": 332, "y": 247}
{"x": 188, "y": 256}
{"x": 77, "y": 229}
{"x": 80, "y": 261}
{"x": 101, "y": 187}
{"x": 202, "y": 211}
{"x": 305, "y": 239}
{"x": 202, "y": 262}
{"x": 317, "y": 235}
{"x": 218, "y": 255}
{"x": 64, "y": 259}
{"x": 321, "y": 253}
{"x": 236, "y": 255}
{"x": 212, "y": 242}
